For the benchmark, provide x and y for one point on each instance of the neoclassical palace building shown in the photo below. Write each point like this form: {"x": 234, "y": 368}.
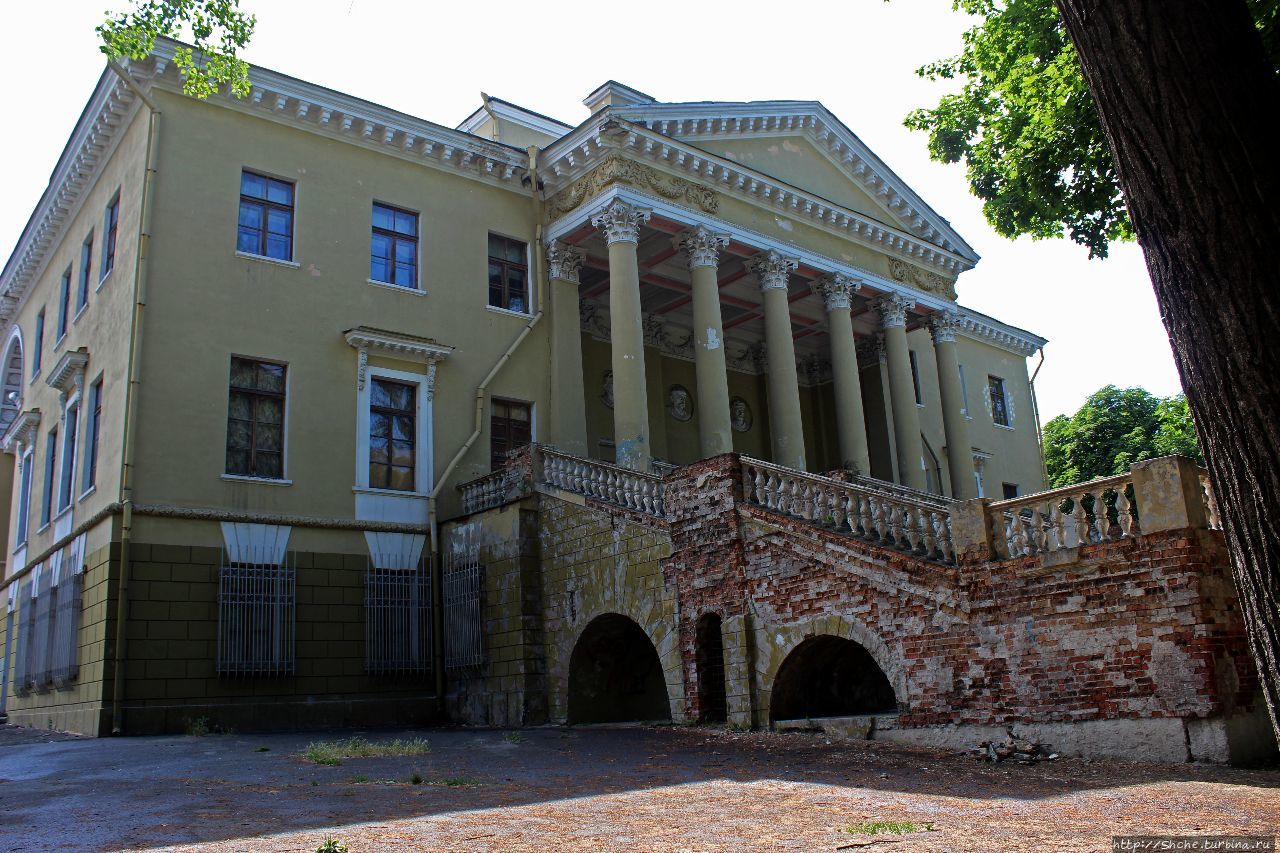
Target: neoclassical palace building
{"x": 306, "y": 402}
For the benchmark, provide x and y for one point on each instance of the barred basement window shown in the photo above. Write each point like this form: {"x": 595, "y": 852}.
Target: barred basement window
{"x": 65, "y": 646}
{"x": 463, "y": 637}
{"x": 397, "y": 614}
{"x": 257, "y": 616}
{"x": 42, "y": 632}
{"x": 23, "y": 670}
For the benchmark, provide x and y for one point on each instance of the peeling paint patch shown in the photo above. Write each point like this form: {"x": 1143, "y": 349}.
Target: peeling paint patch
{"x": 713, "y": 340}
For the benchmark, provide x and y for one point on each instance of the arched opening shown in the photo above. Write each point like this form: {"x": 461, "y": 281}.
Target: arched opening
{"x": 11, "y": 371}
{"x": 830, "y": 676}
{"x": 712, "y": 707}
{"x": 615, "y": 675}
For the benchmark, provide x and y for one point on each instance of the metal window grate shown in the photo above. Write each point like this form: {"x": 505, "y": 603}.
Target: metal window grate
{"x": 463, "y": 637}
{"x": 65, "y": 664}
{"x": 23, "y": 672}
{"x": 397, "y": 618}
{"x": 257, "y": 615}
{"x": 42, "y": 631}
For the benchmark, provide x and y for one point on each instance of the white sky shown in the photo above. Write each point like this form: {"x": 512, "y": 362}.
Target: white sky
{"x": 432, "y": 60}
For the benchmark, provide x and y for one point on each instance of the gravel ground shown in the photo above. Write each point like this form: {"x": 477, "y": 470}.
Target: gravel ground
{"x": 553, "y": 789}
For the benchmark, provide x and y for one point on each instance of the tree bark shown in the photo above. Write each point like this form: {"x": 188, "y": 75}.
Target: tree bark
{"x": 1188, "y": 100}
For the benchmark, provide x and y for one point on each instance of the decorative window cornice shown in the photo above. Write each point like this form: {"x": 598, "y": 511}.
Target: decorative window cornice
{"x": 68, "y": 374}
{"x": 396, "y": 344}
{"x": 22, "y": 432}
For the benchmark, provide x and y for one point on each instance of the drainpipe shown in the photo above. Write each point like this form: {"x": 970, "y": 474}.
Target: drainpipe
{"x": 1035, "y": 408}
{"x": 131, "y": 395}
{"x": 540, "y": 281}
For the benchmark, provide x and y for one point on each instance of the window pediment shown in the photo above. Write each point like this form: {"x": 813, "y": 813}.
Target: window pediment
{"x": 21, "y": 432}
{"x": 68, "y": 374}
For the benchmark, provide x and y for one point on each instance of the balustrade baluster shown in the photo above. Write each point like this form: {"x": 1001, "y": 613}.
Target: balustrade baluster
{"x": 1056, "y": 531}
{"x": 1080, "y": 521}
{"x": 1123, "y": 517}
{"x": 1100, "y": 519}
{"x": 865, "y": 517}
{"x": 1037, "y": 531}
{"x": 835, "y": 509}
{"x": 944, "y": 537}
{"x": 928, "y": 536}
{"x": 759, "y": 483}
{"x": 879, "y": 514}
{"x": 895, "y": 524}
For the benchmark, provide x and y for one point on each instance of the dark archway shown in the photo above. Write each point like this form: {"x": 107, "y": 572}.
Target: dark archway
{"x": 830, "y": 676}
{"x": 615, "y": 675}
{"x": 712, "y": 707}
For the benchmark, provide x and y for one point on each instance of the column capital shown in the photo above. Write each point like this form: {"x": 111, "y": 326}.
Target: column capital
{"x": 701, "y": 246}
{"x": 943, "y": 326}
{"x": 893, "y": 309}
{"x": 621, "y": 222}
{"x": 564, "y": 261}
{"x": 835, "y": 289}
{"x": 772, "y": 268}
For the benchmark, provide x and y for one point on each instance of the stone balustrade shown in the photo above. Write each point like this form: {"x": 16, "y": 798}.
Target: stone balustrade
{"x": 909, "y": 521}
{"x": 604, "y": 482}
{"x": 1210, "y": 502}
{"x": 484, "y": 492}
{"x": 1097, "y": 511}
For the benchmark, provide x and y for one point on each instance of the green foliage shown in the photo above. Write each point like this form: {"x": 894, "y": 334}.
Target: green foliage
{"x": 893, "y": 827}
{"x": 333, "y": 845}
{"x": 332, "y": 752}
{"x": 218, "y": 29}
{"x": 1027, "y": 128}
{"x": 1112, "y": 430}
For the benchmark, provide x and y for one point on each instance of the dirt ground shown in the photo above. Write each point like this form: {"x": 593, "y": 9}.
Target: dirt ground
{"x": 554, "y": 789}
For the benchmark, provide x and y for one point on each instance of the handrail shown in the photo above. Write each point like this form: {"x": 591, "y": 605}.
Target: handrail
{"x": 634, "y": 490}
{"x": 902, "y": 521}
{"x": 1038, "y": 524}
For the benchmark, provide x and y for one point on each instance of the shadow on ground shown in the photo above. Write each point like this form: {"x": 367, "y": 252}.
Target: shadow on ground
{"x": 146, "y": 792}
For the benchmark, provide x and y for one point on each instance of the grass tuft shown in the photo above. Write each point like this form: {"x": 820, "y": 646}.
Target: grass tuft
{"x": 332, "y": 752}
{"x": 457, "y": 782}
{"x": 892, "y": 827}
{"x": 333, "y": 845}
{"x": 514, "y": 737}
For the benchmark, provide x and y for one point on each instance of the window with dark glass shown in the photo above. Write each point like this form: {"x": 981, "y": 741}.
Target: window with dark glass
{"x": 915, "y": 378}
{"x": 394, "y": 255}
{"x": 255, "y": 419}
{"x": 24, "y": 498}
{"x": 39, "y": 347}
{"x": 50, "y": 476}
{"x": 266, "y": 217}
{"x": 999, "y": 405}
{"x": 86, "y": 260}
{"x": 110, "y": 226}
{"x": 392, "y": 434}
{"x": 510, "y": 427}
{"x": 67, "y": 475}
{"x": 95, "y": 431}
{"x": 64, "y": 303}
{"x": 508, "y": 274}
{"x": 1010, "y": 490}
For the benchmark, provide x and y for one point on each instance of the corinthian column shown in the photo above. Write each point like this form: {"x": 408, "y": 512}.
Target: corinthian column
{"x": 906, "y": 419}
{"x": 954, "y": 427}
{"x": 851, "y": 425}
{"x": 621, "y": 225}
{"x": 785, "y": 425}
{"x": 701, "y": 248}
{"x": 568, "y": 407}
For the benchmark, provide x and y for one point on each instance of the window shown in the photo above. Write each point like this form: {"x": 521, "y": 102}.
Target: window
{"x": 508, "y": 274}
{"x": 964, "y": 396}
{"x": 255, "y": 419}
{"x": 109, "y": 226}
{"x": 86, "y": 258}
{"x": 67, "y": 473}
{"x": 50, "y": 467}
{"x": 94, "y": 432}
{"x": 392, "y": 435}
{"x": 999, "y": 405}
{"x": 266, "y": 217}
{"x": 39, "y": 347}
{"x": 24, "y": 498}
{"x": 915, "y": 378}
{"x": 1010, "y": 490}
{"x": 64, "y": 303}
{"x": 394, "y": 257}
{"x": 510, "y": 427}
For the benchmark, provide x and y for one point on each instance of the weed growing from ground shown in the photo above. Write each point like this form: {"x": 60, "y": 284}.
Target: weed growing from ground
{"x": 331, "y": 752}
{"x": 457, "y": 782}
{"x": 333, "y": 845}
{"x": 358, "y": 779}
{"x": 262, "y": 749}
{"x": 893, "y": 827}
{"x": 514, "y": 737}
{"x": 199, "y": 727}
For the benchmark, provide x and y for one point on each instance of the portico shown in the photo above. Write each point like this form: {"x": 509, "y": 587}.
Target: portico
{"x": 659, "y": 286}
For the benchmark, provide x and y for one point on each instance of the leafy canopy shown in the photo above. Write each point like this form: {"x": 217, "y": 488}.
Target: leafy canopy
{"x": 1112, "y": 430}
{"x": 1028, "y": 130}
{"x": 218, "y": 29}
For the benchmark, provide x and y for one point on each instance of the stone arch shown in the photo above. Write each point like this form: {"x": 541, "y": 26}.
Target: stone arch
{"x": 830, "y": 676}
{"x": 12, "y": 371}
{"x": 709, "y": 656}
{"x": 774, "y": 643}
{"x": 616, "y": 674}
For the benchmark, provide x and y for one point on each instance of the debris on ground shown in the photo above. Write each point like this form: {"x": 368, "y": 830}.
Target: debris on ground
{"x": 1013, "y": 747}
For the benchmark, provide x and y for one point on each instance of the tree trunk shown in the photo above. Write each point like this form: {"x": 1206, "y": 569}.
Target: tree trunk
{"x": 1188, "y": 100}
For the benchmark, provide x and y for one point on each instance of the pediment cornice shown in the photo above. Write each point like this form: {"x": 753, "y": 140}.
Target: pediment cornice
{"x": 68, "y": 373}
{"x": 22, "y": 431}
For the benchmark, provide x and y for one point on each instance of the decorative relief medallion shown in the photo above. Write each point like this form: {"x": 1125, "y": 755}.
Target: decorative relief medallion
{"x": 680, "y": 403}
{"x": 739, "y": 415}
{"x": 618, "y": 170}
{"x": 929, "y": 282}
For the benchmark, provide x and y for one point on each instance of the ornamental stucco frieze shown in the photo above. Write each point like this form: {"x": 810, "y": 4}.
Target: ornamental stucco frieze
{"x": 929, "y": 282}
{"x": 618, "y": 170}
